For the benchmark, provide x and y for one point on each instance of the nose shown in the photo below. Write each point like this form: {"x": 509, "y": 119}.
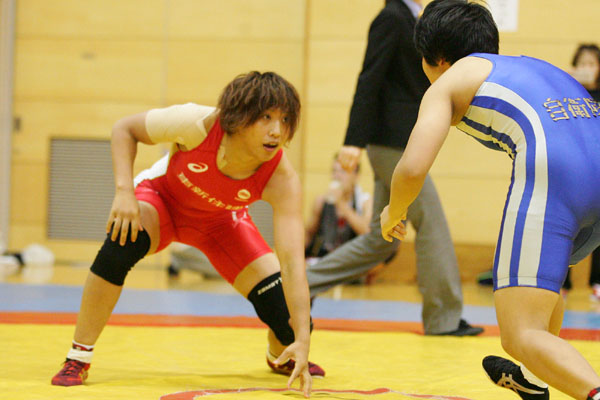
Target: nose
{"x": 275, "y": 130}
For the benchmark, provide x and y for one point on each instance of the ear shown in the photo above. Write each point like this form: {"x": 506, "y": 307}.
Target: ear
{"x": 444, "y": 65}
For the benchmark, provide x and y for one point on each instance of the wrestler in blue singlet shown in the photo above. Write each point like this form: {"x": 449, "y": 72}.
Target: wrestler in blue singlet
{"x": 550, "y": 126}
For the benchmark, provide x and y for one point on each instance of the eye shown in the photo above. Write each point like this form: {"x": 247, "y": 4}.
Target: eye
{"x": 286, "y": 119}
{"x": 267, "y": 116}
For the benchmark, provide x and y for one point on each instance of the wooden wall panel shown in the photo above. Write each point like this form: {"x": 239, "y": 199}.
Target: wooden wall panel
{"x": 88, "y": 70}
{"x": 294, "y": 151}
{"x": 115, "y": 19}
{"x": 473, "y": 207}
{"x": 89, "y": 119}
{"x": 333, "y": 70}
{"x": 29, "y": 192}
{"x": 86, "y": 64}
{"x": 325, "y": 131}
{"x": 23, "y": 234}
{"x": 194, "y": 74}
{"x": 41, "y": 120}
{"x": 344, "y": 20}
{"x": 80, "y": 65}
{"x": 273, "y": 20}
{"x": 555, "y": 21}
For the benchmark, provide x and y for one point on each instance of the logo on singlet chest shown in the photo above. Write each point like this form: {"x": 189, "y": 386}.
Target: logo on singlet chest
{"x": 197, "y": 168}
{"x": 243, "y": 195}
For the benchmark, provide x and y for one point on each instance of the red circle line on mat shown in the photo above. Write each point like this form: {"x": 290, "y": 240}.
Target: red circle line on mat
{"x": 192, "y": 395}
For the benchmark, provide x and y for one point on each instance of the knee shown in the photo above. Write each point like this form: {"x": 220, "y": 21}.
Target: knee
{"x": 514, "y": 343}
{"x": 508, "y": 344}
{"x": 113, "y": 261}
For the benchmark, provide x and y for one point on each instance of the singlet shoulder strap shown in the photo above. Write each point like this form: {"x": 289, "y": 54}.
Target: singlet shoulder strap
{"x": 264, "y": 173}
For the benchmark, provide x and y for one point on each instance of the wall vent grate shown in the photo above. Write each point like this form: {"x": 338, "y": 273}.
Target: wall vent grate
{"x": 81, "y": 188}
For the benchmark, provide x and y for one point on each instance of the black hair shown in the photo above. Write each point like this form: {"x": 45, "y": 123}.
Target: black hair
{"x": 452, "y": 29}
{"x": 592, "y": 48}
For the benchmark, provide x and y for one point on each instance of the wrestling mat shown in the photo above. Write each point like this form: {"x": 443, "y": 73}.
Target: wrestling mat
{"x": 187, "y": 363}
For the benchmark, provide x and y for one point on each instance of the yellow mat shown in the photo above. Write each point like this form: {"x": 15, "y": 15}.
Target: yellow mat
{"x": 228, "y": 363}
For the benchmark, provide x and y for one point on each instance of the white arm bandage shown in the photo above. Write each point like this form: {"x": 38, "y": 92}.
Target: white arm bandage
{"x": 182, "y": 124}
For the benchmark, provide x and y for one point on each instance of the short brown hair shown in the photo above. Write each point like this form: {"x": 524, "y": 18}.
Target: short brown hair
{"x": 248, "y": 96}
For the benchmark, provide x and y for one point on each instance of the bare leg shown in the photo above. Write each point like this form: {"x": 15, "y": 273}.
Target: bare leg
{"x": 98, "y": 300}
{"x": 275, "y": 346}
{"x": 557, "y": 317}
{"x": 100, "y": 296}
{"x": 529, "y": 320}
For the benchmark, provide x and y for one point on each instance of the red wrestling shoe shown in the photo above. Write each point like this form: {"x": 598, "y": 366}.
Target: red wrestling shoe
{"x": 288, "y": 368}
{"x": 73, "y": 373}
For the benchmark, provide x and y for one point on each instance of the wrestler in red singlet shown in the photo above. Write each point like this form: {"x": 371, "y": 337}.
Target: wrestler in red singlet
{"x": 200, "y": 206}
{"x": 222, "y": 159}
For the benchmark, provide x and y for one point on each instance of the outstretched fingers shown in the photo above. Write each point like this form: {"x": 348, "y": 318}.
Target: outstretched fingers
{"x": 300, "y": 370}
{"x": 305, "y": 379}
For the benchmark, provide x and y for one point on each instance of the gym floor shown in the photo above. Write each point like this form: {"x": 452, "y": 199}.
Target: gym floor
{"x": 190, "y": 337}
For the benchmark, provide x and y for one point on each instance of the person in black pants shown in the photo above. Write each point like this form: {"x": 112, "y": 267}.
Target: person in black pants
{"x": 384, "y": 110}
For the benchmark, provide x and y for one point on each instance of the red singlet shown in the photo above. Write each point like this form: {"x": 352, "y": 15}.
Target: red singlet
{"x": 200, "y": 206}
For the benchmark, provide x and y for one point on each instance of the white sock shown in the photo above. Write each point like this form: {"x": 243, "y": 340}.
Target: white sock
{"x": 81, "y": 352}
{"x": 80, "y": 355}
{"x": 531, "y": 378}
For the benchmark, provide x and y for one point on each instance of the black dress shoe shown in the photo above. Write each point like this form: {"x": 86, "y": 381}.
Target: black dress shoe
{"x": 464, "y": 329}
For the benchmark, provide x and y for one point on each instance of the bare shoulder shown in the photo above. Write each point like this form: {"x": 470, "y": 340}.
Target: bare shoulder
{"x": 210, "y": 120}
{"x": 462, "y": 81}
{"x": 284, "y": 183}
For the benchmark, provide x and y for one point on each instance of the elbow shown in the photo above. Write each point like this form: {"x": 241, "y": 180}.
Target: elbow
{"x": 120, "y": 124}
{"x": 121, "y": 129}
{"x": 412, "y": 172}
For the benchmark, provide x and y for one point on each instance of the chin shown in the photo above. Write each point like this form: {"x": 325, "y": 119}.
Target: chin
{"x": 271, "y": 155}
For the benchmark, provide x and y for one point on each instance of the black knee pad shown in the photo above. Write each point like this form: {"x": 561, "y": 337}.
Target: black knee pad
{"x": 269, "y": 302}
{"x": 114, "y": 261}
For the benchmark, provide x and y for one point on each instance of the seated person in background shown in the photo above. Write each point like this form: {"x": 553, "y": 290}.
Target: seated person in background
{"x": 339, "y": 215}
{"x": 586, "y": 68}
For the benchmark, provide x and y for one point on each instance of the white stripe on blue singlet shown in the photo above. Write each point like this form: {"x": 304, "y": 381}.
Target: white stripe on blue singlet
{"x": 532, "y": 233}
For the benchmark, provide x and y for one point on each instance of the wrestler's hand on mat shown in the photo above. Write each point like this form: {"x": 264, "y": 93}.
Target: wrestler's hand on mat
{"x": 392, "y": 226}
{"x": 125, "y": 211}
{"x": 349, "y": 156}
{"x": 298, "y": 352}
